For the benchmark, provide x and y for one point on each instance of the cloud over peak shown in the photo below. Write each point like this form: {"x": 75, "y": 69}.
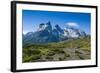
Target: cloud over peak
{"x": 72, "y": 24}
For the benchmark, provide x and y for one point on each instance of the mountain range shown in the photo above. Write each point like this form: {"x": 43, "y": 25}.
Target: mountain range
{"x": 47, "y": 34}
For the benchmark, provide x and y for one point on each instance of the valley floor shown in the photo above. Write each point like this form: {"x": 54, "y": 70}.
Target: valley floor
{"x": 60, "y": 55}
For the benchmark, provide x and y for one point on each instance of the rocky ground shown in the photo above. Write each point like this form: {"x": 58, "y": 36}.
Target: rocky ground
{"x": 65, "y": 55}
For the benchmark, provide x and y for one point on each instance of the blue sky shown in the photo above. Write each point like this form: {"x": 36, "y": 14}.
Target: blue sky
{"x": 32, "y": 19}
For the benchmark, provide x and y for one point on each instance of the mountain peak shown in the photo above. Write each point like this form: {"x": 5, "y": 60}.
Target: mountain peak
{"x": 45, "y": 26}
{"x": 60, "y": 30}
{"x": 45, "y": 34}
{"x": 48, "y": 23}
{"x": 74, "y": 32}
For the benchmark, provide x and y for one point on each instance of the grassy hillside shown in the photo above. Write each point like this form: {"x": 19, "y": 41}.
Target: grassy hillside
{"x": 72, "y": 49}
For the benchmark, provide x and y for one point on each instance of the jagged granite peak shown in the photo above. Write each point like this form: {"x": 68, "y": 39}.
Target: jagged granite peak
{"x": 49, "y": 28}
{"x": 47, "y": 34}
{"x": 41, "y": 25}
{"x": 60, "y": 30}
{"x": 48, "y": 23}
{"x": 73, "y": 32}
{"x": 45, "y": 26}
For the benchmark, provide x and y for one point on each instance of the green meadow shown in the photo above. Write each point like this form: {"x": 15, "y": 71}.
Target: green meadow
{"x": 72, "y": 49}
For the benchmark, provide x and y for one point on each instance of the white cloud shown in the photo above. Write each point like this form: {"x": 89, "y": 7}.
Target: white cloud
{"x": 72, "y": 24}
